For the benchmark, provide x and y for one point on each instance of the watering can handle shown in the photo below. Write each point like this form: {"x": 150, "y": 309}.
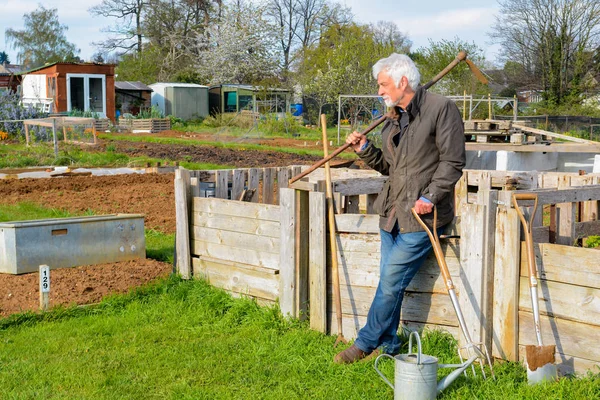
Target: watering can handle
{"x": 419, "y": 348}
{"x": 381, "y": 373}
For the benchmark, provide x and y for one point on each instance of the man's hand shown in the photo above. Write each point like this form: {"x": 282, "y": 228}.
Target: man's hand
{"x": 357, "y": 140}
{"x": 423, "y": 207}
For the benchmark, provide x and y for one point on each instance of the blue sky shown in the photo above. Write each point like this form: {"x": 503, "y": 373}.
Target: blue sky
{"x": 435, "y": 19}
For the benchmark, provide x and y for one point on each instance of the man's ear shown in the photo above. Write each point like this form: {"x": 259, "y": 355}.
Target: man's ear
{"x": 403, "y": 82}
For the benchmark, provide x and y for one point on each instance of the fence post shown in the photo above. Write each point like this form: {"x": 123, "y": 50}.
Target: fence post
{"x": 318, "y": 262}
{"x": 183, "y": 209}
{"x": 287, "y": 253}
{"x": 566, "y": 215}
{"x": 471, "y": 286}
{"x": 507, "y": 256}
{"x": 302, "y": 252}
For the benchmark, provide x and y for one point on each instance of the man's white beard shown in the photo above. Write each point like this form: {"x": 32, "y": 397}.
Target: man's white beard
{"x": 390, "y": 103}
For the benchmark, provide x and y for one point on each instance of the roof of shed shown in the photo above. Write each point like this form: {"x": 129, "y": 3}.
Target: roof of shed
{"x": 176, "y": 84}
{"x": 130, "y": 85}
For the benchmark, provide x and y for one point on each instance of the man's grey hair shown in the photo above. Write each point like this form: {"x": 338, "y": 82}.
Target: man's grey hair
{"x": 397, "y": 66}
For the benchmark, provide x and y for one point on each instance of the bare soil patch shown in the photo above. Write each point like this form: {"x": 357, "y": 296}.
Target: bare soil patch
{"x": 148, "y": 194}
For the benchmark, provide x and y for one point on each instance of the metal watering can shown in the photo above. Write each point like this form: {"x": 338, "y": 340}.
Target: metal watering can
{"x": 416, "y": 374}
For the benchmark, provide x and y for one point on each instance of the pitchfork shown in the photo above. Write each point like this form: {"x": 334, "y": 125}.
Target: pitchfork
{"x": 472, "y": 349}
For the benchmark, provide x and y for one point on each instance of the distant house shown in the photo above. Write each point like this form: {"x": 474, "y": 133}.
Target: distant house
{"x": 232, "y": 98}
{"x": 530, "y": 94}
{"x": 182, "y": 100}
{"x": 66, "y": 86}
{"x": 9, "y": 80}
{"x": 131, "y": 97}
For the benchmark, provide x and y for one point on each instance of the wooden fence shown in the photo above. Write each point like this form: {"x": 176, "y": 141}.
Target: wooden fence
{"x": 153, "y": 125}
{"x": 274, "y": 247}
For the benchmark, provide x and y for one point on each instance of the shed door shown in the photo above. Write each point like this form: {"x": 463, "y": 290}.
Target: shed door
{"x": 87, "y": 92}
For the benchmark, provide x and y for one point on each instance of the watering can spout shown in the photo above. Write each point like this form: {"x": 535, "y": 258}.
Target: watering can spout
{"x": 460, "y": 368}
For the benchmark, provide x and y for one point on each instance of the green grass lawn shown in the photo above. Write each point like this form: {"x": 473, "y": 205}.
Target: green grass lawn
{"x": 175, "y": 339}
{"x": 186, "y": 340}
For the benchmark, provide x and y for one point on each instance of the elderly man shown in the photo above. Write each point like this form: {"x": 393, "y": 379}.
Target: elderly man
{"x": 423, "y": 154}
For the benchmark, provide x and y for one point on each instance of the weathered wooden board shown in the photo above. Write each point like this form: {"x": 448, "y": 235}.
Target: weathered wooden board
{"x": 238, "y": 277}
{"x": 569, "y": 302}
{"x": 506, "y": 283}
{"x": 263, "y": 244}
{"x": 235, "y": 254}
{"x": 182, "y": 214}
{"x": 268, "y": 212}
{"x": 422, "y": 307}
{"x": 566, "y": 264}
{"x": 240, "y": 224}
{"x": 572, "y": 339}
{"x": 351, "y": 324}
{"x": 287, "y": 256}
{"x": 317, "y": 262}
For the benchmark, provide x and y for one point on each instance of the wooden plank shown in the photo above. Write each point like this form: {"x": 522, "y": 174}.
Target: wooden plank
{"x": 420, "y": 307}
{"x": 551, "y": 196}
{"x": 460, "y": 194}
{"x": 304, "y": 185}
{"x": 259, "y": 258}
{"x": 222, "y": 184}
{"x": 357, "y": 186}
{"x": 283, "y": 178}
{"x": 287, "y": 255}
{"x": 317, "y": 262}
{"x": 572, "y": 265}
{"x": 568, "y": 302}
{"x": 503, "y": 179}
{"x": 267, "y": 212}
{"x": 566, "y": 217}
{"x": 572, "y": 339}
{"x": 473, "y": 275}
{"x": 357, "y": 223}
{"x": 371, "y": 198}
{"x": 554, "y": 135}
{"x": 489, "y": 199}
{"x": 238, "y": 183}
{"x": 182, "y": 236}
{"x": 235, "y": 277}
{"x": 302, "y": 250}
{"x": 505, "y": 323}
{"x": 240, "y": 224}
{"x": 352, "y": 204}
{"x": 268, "y": 181}
{"x": 253, "y": 182}
{"x": 351, "y": 324}
{"x": 236, "y": 239}
{"x": 585, "y": 229}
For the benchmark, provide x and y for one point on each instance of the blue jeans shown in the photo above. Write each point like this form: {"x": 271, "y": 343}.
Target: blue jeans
{"x": 402, "y": 254}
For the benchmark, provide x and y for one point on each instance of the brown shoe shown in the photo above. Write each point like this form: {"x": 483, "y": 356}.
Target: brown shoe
{"x": 350, "y": 355}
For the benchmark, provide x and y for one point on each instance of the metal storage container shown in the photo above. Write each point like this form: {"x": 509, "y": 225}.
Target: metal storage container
{"x": 69, "y": 242}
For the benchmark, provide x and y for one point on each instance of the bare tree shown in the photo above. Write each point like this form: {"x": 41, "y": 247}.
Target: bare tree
{"x": 284, "y": 13}
{"x": 387, "y": 33}
{"x": 127, "y": 31}
{"x": 552, "y": 39}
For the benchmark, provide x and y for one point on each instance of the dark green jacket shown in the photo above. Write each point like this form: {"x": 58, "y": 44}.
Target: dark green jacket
{"x": 428, "y": 162}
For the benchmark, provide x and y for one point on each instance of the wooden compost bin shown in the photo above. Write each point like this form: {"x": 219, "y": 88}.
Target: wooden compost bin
{"x": 277, "y": 250}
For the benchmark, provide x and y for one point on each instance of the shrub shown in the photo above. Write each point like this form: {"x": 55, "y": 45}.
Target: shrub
{"x": 274, "y": 124}
{"x": 12, "y": 109}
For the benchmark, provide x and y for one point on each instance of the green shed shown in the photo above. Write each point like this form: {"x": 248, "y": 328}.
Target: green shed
{"x": 233, "y": 98}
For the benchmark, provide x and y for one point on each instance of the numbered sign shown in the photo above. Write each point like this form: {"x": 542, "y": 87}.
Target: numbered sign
{"x": 44, "y": 279}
